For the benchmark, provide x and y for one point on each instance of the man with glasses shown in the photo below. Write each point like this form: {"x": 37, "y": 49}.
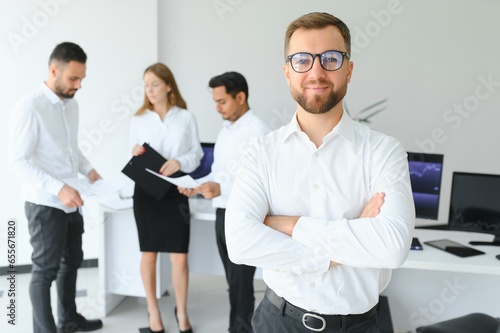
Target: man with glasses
{"x": 324, "y": 204}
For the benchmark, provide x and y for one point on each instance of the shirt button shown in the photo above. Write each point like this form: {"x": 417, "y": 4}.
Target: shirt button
{"x": 312, "y": 285}
{"x": 316, "y": 154}
{"x": 315, "y": 186}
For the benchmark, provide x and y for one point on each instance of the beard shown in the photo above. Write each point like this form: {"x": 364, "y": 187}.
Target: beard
{"x": 70, "y": 93}
{"x": 319, "y": 104}
{"x": 66, "y": 94}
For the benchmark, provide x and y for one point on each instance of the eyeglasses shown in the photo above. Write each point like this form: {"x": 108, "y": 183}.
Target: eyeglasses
{"x": 330, "y": 60}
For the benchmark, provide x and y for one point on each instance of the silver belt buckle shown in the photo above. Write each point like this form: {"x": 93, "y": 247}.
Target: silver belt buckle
{"x": 323, "y": 321}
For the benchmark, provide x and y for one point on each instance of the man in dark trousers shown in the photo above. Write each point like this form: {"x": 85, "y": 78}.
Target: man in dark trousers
{"x": 323, "y": 204}
{"x": 230, "y": 93}
{"x": 44, "y": 153}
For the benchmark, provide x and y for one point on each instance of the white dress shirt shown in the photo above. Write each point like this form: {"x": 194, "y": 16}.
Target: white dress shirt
{"x": 44, "y": 146}
{"x": 284, "y": 173}
{"x": 174, "y": 137}
{"x": 230, "y": 142}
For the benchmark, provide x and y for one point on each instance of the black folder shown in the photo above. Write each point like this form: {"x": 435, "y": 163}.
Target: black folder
{"x": 136, "y": 170}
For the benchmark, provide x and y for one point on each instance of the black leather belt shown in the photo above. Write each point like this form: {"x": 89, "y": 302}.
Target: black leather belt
{"x": 314, "y": 321}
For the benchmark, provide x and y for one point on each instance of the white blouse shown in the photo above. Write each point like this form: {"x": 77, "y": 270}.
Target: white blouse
{"x": 175, "y": 137}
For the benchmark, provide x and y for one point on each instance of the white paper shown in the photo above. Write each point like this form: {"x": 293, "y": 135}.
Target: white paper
{"x": 185, "y": 181}
{"x": 99, "y": 188}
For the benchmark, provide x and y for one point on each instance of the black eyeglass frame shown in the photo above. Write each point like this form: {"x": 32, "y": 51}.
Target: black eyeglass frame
{"x": 342, "y": 53}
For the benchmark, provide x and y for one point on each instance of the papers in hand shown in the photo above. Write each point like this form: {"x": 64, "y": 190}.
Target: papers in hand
{"x": 100, "y": 188}
{"x": 185, "y": 181}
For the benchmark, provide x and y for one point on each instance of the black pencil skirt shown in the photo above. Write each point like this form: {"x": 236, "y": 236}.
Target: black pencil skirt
{"x": 162, "y": 225}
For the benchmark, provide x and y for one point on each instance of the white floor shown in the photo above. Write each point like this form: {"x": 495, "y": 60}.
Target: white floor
{"x": 208, "y": 305}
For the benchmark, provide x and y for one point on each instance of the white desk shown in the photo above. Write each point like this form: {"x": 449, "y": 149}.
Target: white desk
{"x": 434, "y": 285}
{"x": 119, "y": 258}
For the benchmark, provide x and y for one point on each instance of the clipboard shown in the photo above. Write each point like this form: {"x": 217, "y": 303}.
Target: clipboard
{"x": 135, "y": 169}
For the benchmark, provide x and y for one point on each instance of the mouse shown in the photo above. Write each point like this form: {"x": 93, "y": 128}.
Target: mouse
{"x": 498, "y": 257}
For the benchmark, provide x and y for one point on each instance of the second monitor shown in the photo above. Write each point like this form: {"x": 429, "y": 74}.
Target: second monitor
{"x": 425, "y": 176}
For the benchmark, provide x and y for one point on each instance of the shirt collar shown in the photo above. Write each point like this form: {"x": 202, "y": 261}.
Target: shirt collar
{"x": 292, "y": 127}
{"x": 173, "y": 110}
{"x": 241, "y": 121}
{"x": 344, "y": 129}
{"x": 53, "y": 98}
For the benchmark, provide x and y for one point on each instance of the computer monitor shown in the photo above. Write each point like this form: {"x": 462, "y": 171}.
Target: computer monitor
{"x": 206, "y": 162}
{"x": 425, "y": 176}
{"x": 475, "y": 204}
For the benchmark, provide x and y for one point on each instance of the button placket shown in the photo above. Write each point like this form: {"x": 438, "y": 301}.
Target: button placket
{"x": 315, "y": 180}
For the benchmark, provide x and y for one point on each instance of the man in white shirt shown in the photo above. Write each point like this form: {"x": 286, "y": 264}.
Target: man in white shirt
{"x": 323, "y": 204}
{"x": 230, "y": 93}
{"x": 44, "y": 153}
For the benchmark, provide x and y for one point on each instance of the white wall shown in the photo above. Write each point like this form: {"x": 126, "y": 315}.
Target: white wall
{"x": 426, "y": 57}
{"x": 120, "y": 39}
{"x": 429, "y": 58}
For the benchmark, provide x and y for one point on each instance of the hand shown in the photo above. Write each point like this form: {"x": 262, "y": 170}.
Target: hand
{"x": 284, "y": 224}
{"x": 93, "y": 176}
{"x": 209, "y": 190}
{"x": 138, "y": 150}
{"x": 70, "y": 197}
{"x": 372, "y": 208}
{"x": 333, "y": 264}
{"x": 170, "y": 167}
{"x": 188, "y": 192}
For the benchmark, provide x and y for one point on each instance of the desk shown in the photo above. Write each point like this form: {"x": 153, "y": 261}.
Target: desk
{"x": 433, "y": 285}
{"x": 119, "y": 257}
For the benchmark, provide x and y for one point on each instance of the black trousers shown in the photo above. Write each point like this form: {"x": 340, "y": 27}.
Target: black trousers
{"x": 56, "y": 238}
{"x": 270, "y": 319}
{"x": 240, "y": 281}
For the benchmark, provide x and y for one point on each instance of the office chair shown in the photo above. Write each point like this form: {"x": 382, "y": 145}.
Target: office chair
{"x": 471, "y": 323}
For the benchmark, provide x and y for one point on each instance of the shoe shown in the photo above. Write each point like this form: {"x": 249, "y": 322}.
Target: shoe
{"x": 80, "y": 324}
{"x": 160, "y": 331}
{"x": 151, "y": 331}
{"x": 189, "y": 330}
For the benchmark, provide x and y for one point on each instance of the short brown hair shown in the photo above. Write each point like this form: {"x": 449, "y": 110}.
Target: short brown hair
{"x": 317, "y": 21}
{"x": 173, "y": 97}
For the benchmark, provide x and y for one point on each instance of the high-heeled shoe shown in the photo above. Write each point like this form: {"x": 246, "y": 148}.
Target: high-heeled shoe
{"x": 151, "y": 331}
{"x": 160, "y": 331}
{"x": 189, "y": 330}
